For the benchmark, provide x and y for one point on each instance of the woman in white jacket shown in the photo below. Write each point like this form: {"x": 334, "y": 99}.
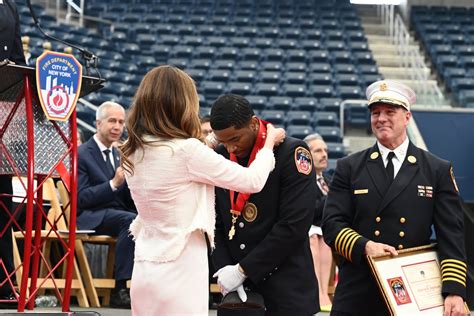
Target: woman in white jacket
{"x": 171, "y": 174}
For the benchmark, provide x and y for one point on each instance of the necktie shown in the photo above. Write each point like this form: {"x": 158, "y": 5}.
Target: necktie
{"x": 389, "y": 166}
{"x": 323, "y": 185}
{"x": 108, "y": 163}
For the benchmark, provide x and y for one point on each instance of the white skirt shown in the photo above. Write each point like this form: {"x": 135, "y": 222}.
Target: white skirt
{"x": 179, "y": 287}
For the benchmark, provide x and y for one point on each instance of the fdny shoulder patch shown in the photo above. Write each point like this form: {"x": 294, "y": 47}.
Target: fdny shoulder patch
{"x": 303, "y": 160}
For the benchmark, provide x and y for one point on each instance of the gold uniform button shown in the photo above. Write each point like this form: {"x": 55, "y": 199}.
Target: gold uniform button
{"x": 378, "y": 219}
{"x": 402, "y": 220}
{"x": 400, "y": 246}
{"x": 401, "y": 234}
{"x": 377, "y": 233}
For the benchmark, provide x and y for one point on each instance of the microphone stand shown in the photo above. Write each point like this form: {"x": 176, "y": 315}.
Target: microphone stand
{"x": 89, "y": 58}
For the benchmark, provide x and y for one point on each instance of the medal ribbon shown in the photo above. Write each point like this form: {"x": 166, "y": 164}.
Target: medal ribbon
{"x": 242, "y": 198}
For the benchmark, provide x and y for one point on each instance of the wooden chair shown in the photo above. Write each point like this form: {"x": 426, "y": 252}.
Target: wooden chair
{"x": 95, "y": 287}
{"x": 56, "y": 217}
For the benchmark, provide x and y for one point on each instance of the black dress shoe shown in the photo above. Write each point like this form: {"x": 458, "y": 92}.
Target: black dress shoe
{"x": 120, "y": 299}
{"x": 8, "y": 302}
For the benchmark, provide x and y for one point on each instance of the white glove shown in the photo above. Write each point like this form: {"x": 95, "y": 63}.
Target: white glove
{"x": 230, "y": 278}
{"x": 242, "y": 294}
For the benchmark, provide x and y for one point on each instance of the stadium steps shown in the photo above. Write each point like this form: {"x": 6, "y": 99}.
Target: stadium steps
{"x": 390, "y": 62}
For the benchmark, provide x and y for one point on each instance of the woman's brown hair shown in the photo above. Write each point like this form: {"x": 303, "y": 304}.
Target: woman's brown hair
{"x": 165, "y": 105}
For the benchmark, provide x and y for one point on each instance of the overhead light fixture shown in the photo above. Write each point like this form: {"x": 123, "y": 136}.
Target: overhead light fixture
{"x": 380, "y": 2}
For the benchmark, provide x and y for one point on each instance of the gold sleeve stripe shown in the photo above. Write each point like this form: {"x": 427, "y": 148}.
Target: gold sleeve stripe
{"x": 454, "y": 280}
{"x": 346, "y": 241}
{"x": 453, "y": 269}
{"x": 352, "y": 246}
{"x": 348, "y": 248}
{"x": 454, "y": 275}
{"x": 454, "y": 261}
{"x": 455, "y": 266}
{"x": 340, "y": 236}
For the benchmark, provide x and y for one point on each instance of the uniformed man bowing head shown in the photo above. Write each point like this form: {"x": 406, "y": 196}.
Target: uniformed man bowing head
{"x": 386, "y": 198}
{"x": 262, "y": 239}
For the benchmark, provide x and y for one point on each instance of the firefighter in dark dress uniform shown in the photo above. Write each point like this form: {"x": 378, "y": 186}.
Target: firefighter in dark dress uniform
{"x": 266, "y": 248}
{"x": 386, "y": 198}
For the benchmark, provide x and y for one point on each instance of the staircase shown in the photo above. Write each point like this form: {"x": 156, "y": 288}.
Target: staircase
{"x": 390, "y": 61}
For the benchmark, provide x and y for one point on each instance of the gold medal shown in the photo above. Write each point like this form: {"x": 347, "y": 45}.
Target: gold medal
{"x": 250, "y": 212}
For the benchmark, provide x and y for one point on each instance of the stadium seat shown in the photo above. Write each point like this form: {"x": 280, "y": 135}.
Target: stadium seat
{"x": 212, "y": 89}
{"x": 258, "y": 102}
{"x": 222, "y": 75}
{"x": 335, "y": 150}
{"x": 241, "y": 88}
{"x": 322, "y": 91}
{"x": 295, "y": 77}
{"x": 280, "y": 103}
{"x": 227, "y": 53}
{"x": 248, "y": 76}
{"x": 357, "y": 115}
{"x": 322, "y": 118}
{"x": 223, "y": 64}
{"x": 295, "y": 90}
{"x": 267, "y": 89}
{"x": 201, "y": 63}
{"x": 330, "y": 104}
{"x": 271, "y": 66}
{"x": 299, "y": 118}
{"x": 270, "y": 76}
{"x": 275, "y": 117}
{"x": 205, "y": 52}
{"x": 299, "y": 131}
{"x": 197, "y": 74}
{"x": 274, "y": 54}
{"x": 329, "y": 133}
{"x": 306, "y": 104}
{"x": 251, "y": 53}
{"x": 350, "y": 92}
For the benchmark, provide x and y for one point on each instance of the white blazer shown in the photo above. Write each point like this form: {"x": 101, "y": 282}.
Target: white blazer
{"x": 173, "y": 189}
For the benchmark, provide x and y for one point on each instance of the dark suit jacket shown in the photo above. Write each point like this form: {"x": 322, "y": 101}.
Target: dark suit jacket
{"x": 362, "y": 206}
{"x": 10, "y": 36}
{"x": 94, "y": 194}
{"x": 274, "y": 248}
{"x": 320, "y": 200}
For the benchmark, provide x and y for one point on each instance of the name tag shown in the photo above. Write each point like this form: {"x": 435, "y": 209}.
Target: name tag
{"x": 362, "y": 191}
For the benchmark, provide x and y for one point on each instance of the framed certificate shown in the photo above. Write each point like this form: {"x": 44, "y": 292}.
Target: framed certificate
{"x": 410, "y": 282}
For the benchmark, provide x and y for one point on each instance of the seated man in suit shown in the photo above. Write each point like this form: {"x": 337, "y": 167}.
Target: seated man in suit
{"x": 104, "y": 201}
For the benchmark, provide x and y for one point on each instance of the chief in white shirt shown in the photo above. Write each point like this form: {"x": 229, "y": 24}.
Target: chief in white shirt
{"x": 171, "y": 174}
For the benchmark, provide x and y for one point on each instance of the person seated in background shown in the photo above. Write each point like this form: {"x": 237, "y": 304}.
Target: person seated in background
{"x": 104, "y": 201}
{"x": 322, "y": 253}
{"x": 206, "y": 128}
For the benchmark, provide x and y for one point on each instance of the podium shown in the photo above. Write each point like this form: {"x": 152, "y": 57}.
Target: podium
{"x": 35, "y": 148}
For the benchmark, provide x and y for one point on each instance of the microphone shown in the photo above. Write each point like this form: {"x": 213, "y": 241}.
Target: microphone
{"x": 89, "y": 57}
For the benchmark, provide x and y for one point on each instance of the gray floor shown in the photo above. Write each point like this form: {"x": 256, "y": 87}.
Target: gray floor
{"x": 101, "y": 311}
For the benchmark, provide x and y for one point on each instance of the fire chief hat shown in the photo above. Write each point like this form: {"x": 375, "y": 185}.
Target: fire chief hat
{"x": 390, "y": 92}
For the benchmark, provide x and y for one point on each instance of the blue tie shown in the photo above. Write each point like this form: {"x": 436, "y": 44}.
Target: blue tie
{"x": 108, "y": 163}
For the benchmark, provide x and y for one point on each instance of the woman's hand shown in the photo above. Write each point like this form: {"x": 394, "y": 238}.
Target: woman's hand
{"x": 275, "y": 135}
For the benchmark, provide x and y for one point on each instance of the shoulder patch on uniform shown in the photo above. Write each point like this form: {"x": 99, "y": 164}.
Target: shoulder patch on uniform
{"x": 303, "y": 160}
{"x": 451, "y": 172}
